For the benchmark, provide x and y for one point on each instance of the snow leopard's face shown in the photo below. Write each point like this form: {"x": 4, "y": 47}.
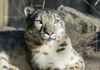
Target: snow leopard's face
{"x": 49, "y": 23}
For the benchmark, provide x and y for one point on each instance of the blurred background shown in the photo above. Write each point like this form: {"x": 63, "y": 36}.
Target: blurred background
{"x": 12, "y": 11}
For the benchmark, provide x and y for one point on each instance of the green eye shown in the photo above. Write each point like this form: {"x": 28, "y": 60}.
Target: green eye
{"x": 56, "y": 21}
{"x": 38, "y": 21}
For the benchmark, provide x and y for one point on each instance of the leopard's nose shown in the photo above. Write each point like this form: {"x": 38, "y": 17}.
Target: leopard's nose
{"x": 50, "y": 33}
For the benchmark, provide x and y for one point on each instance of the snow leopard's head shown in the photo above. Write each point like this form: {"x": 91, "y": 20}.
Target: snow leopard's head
{"x": 47, "y": 22}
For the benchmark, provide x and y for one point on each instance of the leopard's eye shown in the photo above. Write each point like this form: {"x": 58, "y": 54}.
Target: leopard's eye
{"x": 38, "y": 21}
{"x": 56, "y": 21}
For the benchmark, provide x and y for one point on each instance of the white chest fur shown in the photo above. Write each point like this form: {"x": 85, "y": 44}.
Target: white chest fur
{"x": 47, "y": 56}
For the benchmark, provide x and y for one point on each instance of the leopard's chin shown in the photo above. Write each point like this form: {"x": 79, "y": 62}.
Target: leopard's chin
{"x": 48, "y": 39}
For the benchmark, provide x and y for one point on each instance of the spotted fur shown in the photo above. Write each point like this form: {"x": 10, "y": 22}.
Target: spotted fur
{"x": 50, "y": 47}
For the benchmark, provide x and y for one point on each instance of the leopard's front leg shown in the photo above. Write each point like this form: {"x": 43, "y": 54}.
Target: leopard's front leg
{"x": 4, "y": 62}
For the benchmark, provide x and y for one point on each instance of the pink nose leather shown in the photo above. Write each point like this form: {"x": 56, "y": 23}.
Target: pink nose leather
{"x": 50, "y": 33}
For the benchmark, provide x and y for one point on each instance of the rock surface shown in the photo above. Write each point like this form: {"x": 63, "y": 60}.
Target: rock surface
{"x": 79, "y": 26}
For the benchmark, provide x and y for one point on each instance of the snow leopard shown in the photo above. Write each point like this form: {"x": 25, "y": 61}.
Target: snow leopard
{"x": 49, "y": 46}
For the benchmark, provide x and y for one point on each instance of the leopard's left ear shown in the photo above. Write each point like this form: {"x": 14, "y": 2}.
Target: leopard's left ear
{"x": 28, "y": 11}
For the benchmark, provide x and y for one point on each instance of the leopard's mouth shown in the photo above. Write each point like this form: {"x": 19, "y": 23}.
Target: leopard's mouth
{"x": 48, "y": 39}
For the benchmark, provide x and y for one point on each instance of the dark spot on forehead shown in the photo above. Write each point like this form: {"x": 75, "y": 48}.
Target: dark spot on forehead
{"x": 49, "y": 11}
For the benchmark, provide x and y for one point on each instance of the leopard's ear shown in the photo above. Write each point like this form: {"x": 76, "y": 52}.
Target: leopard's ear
{"x": 28, "y": 11}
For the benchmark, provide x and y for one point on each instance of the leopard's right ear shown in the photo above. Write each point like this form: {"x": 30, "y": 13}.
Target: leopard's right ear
{"x": 28, "y": 11}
